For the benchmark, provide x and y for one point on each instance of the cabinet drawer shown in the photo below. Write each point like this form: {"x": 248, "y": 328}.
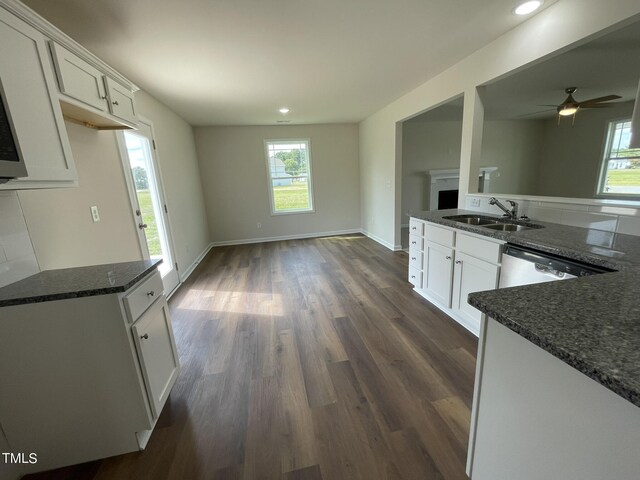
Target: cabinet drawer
{"x": 416, "y": 227}
{"x": 142, "y": 296}
{"x": 415, "y": 258}
{"x": 416, "y": 243}
{"x": 440, "y": 235}
{"x": 479, "y": 248}
{"x": 415, "y": 277}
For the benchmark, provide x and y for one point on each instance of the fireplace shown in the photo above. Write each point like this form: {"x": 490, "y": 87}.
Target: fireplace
{"x": 447, "y": 199}
{"x": 444, "y": 186}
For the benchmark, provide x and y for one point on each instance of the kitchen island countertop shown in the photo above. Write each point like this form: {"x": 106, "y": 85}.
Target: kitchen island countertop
{"x": 50, "y": 285}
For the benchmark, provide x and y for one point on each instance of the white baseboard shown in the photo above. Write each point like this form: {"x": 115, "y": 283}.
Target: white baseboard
{"x": 244, "y": 241}
{"x": 384, "y": 243}
{"x": 184, "y": 275}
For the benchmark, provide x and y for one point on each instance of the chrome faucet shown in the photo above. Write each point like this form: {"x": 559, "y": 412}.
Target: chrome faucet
{"x": 512, "y": 214}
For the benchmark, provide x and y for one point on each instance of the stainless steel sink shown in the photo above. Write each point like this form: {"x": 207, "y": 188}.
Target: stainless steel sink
{"x": 473, "y": 219}
{"x": 493, "y": 223}
{"x": 508, "y": 227}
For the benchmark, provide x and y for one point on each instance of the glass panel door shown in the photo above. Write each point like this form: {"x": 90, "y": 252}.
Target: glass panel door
{"x": 148, "y": 202}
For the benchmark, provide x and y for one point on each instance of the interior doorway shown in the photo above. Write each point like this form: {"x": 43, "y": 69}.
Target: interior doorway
{"x": 146, "y": 194}
{"x": 431, "y": 142}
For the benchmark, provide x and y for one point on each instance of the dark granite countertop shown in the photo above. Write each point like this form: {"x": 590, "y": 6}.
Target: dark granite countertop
{"x": 76, "y": 282}
{"x": 590, "y": 323}
{"x": 616, "y": 251}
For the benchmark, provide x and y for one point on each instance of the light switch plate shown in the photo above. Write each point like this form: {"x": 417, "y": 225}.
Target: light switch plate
{"x": 94, "y": 214}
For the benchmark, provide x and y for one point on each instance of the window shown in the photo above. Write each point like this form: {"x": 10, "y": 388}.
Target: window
{"x": 289, "y": 167}
{"x": 620, "y": 174}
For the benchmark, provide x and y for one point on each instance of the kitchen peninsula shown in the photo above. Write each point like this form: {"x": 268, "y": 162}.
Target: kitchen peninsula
{"x": 87, "y": 355}
{"x": 558, "y": 373}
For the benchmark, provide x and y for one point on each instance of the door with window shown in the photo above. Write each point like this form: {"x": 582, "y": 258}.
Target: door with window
{"x": 150, "y": 211}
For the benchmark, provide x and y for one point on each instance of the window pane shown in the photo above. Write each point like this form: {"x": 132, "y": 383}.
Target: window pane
{"x": 289, "y": 170}
{"x": 622, "y": 164}
{"x": 621, "y": 139}
{"x": 290, "y": 194}
{"x": 622, "y": 180}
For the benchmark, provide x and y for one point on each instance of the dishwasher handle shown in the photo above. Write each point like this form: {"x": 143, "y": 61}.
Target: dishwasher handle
{"x": 550, "y": 271}
{"x": 553, "y": 262}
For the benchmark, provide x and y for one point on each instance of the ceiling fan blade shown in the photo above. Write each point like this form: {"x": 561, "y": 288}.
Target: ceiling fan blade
{"x": 536, "y": 113}
{"x": 598, "y": 105}
{"x": 599, "y": 99}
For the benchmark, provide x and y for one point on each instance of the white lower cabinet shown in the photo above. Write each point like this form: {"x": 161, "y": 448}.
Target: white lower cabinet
{"x": 82, "y": 379}
{"x": 157, "y": 353}
{"x": 438, "y": 271}
{"x": 471, "y": 275}
{"x": 416, "y": 247}
{"x": 455, "y": 263}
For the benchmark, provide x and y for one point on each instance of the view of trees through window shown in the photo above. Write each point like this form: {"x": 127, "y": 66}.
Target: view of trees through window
{"x": 290, "y": 175}
{"x": 621, "y": 165}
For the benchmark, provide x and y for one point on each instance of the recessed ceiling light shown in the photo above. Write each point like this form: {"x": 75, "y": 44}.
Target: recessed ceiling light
{"x": 284, "y": 110}
{"x": 527, "y": 7}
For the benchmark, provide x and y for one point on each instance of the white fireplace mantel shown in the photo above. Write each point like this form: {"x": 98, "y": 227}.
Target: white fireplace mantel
{"x": 449, "y": 179}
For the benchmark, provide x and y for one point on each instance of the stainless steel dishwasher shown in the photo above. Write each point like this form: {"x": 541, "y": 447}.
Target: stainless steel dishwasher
{"x": 524, "y": 266}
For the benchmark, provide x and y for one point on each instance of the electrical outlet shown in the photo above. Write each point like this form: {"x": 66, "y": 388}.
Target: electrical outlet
{"x": 475, "y": 202}
{"x": 94, "y": 214}
{"x": 259, "y": 225}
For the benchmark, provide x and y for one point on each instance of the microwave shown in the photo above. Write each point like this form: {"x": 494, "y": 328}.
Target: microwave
{"x": 11, "y": 160}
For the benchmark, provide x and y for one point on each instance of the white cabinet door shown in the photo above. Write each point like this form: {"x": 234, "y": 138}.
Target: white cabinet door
{"x": 78, "y": 79}
{"x": 157, "y": 353}
{"x": 438, "y": 269}
{"x": 121, "y": 103}
{"x": 471, "y": 275}
{"x": 31, "y": 97}
{"x": 89, "y": 95}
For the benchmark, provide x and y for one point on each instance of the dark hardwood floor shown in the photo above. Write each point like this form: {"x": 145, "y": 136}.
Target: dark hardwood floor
{"x": 304, "y": 360}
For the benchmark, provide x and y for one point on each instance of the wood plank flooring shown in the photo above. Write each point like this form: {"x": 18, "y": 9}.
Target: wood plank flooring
{"x": 306, "y": 360}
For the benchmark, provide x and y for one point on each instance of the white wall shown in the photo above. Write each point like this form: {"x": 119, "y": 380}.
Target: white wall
{"x": 59, "y": 220}
{"x": 552, "y": 29}
{"x": 426, "y": 146}
{"x": 515, "y": 147}
{"x": 176, "y": 152}
{"x": 234, "y": 176}
{"x": 575, "y": 152}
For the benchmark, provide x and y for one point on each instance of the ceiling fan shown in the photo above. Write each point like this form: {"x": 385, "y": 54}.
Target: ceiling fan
{"x": 571, "y": 106}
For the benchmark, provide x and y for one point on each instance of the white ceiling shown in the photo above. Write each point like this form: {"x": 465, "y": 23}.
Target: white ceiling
{"x": 604, "y": 65}
{"x": 236, "y": 62}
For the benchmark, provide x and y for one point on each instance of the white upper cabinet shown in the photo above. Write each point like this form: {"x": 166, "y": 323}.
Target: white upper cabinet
{"x": 79, "y": 80}
{"x": 89, "y": 95}
{"x": 121, "y": 102}
{"x": 48, "y": 78}
{"x": 31, "y": 96}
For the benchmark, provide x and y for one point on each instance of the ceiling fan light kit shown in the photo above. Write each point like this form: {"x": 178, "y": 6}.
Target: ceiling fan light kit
{"x": 570, "y": 106}
{"x": 566, "y": 111}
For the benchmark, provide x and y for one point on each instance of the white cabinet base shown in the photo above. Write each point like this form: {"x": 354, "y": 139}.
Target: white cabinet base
{"x": 73, "y": 388}
{"x": 536, "y": 417}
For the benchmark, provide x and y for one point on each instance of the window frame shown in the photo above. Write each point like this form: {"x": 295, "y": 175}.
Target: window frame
{"x": 309, "y": 175}
{"x": 604, "y": 161}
